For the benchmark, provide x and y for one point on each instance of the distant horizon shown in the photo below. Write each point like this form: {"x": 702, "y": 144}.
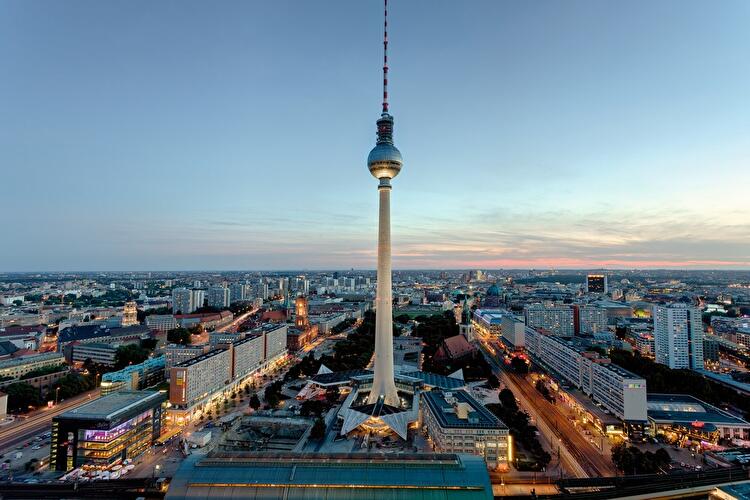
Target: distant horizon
{"x": 320, "y": 270}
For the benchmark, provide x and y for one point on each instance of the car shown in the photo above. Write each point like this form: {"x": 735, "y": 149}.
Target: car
{"x": 37, "y": 447}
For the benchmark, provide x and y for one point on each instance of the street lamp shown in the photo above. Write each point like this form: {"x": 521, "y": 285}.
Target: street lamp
{"x": 156, "y": 469}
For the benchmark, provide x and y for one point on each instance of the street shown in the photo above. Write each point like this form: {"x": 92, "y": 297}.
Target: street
{"x": 579, "y": 456}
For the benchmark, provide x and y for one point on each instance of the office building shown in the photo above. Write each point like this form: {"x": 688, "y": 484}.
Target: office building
{"x": 711, "y": 349}
{"x": 107, "y": 430}
{"x": 175, "y": 354}
{"x": 621, "y": 392}
{"x": 161, "y": 322}
{"x": 98, "y": 352}
{"x": 248, "y": 355}
{"x": 596, "y": 283}
{"x": 200, "y": 381}
{"x": 218, "y": 297}
{"x": 239, "y": 292}
{"x": 513, "y": 332}
{"x": 555, "y": 318}
{"x": 274, "y": 335}
{"x": 135, "y": 377}
{"x": 14, "y": 368}
{"x": 219, "y": 338}
{"x": 488, "y": 322}
{"x": 185, "y": 301}
{"x": 588, "y": 319}
{"x": 458, "y": 423}
{"x": 678, "y": 336}
{"x": 88, "y": 333}
{"x": 192, "y": 380}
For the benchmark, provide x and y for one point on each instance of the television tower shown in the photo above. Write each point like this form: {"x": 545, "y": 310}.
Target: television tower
{"x": 384, "y": 163}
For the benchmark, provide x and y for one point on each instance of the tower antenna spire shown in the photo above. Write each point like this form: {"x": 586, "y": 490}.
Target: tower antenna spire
{"x": 385, "y": 57}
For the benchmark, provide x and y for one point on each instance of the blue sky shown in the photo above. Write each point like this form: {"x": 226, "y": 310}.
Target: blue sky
{"x": 233, "y": 135}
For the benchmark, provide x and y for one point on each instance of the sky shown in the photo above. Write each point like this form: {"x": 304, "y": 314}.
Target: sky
{"x": 176, "y": 135}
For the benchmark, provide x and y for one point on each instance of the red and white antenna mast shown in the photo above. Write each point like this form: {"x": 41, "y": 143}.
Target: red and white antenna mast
{"x": 385, "y": 57}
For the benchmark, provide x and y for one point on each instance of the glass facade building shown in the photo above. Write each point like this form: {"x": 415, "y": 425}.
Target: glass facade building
{"x": 107, "y": 431}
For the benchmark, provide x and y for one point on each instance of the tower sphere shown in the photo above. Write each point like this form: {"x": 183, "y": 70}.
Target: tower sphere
{"x": 384, "y": 161}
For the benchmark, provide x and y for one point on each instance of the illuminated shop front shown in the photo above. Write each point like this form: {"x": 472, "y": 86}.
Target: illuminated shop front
{"x": 107, "y": 431}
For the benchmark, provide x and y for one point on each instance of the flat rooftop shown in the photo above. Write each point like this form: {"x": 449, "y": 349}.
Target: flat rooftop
{"x": 479, "y": 416}
{"x": 112, "y": 406}
{"x": 435, "y": 380}
{"x": 684, "y": 408}
{"x": 202, "y": 357}
{"x": 331, "y": 476}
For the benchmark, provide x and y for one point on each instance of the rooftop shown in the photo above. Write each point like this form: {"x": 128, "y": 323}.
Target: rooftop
{"x": 435, "y": 380}
{"x": 200, "y": 358}
{"x": 331, "y": 476}
{"x": 443, "y": 403}
{"x": 114, "y": 405}
{"x": 687, "y": 409}
{"x": 33, "y": 358}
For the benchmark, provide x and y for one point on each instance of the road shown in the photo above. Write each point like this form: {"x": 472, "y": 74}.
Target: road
{"x": 39, "y": 422}
{"x": 232, "y": 327}
{"x": 580, "y": 456}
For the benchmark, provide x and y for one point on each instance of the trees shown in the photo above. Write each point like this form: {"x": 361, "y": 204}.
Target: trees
{"x": 347, "y": 323}
{"x": 130, "y": 354}
{"x": 402, "y": 318}
{"x": 312, "y": 407}
{"x": 254, "y": 402}
{"x": 332, "y": 395}
{"x": 519, "y": 365}
{"x": 318, "y": 430}
{"x": 518, "y": 423}
{"x": 71, "y": 385}
{"x": 149, "y": 344}
{"x": 179, "y": 336}
{"x": 507, "y": 399}
{"x": 272, "y": 394}
{"x": 631, "y": 460}
{"x": 492, "y": 381}
{"x": 661, "y": 378}
{"x": 22, "y": 395}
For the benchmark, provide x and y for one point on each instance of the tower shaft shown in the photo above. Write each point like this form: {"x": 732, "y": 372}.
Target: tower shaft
{"x": 383, "y": 384}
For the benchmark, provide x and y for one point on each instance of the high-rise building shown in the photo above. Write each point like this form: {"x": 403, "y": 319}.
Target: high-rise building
{"x": 621, "y": 392}
{"x": 262, "y": 289}
{"x": 185, "y": 301}
{"x": 239, "y": 292}
{"x": 596, "y": 283}
{"x": 678, "y": 336}
{"x": 218, "y": 297}
{"x": 513, "y": 332}
{"x": 589, "y": 319}
{"x": 555, "y": 318}
{"x": 181, "y": 301}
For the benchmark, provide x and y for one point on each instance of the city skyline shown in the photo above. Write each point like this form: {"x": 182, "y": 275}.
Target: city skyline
{"x": 590, "y": 135}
